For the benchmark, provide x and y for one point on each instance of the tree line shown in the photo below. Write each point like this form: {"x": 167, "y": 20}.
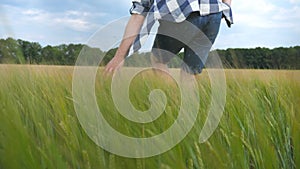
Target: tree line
{"x": 23, "y": 52}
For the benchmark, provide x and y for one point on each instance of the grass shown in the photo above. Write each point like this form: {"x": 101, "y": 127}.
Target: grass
{"x": 39, "y": 128}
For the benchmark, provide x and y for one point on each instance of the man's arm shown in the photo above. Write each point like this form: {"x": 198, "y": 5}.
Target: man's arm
{"x": 227, "y": 2}
{"x": 132, "y": 30}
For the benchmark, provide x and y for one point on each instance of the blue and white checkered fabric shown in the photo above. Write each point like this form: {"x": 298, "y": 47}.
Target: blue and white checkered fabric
{"x": 174, "y": 11}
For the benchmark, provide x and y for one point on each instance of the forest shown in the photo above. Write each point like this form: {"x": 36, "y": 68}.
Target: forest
{"x": 19, "y": 51}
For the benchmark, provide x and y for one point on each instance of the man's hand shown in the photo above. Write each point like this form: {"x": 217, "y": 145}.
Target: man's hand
{"x": 114, "y": 64}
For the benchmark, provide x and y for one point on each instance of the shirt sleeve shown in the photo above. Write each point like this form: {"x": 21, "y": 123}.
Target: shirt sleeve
{"x": 227, "y": 14}
{"x": 140, "y": 7}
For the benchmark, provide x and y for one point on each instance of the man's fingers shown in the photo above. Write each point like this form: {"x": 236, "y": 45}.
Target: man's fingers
{"x": 109, "y": 69}
{"x": 113, "y": 65}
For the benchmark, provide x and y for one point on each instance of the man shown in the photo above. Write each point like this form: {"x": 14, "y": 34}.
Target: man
{"x": 206, "y": 15}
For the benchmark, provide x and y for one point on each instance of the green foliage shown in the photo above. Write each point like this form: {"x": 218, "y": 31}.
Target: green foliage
{"x": 31, "y": 51}
{"x": 10, "y": 52}
{"x": 24, "y": 52}
{"x": 20, "y": 52}
{"x": 39, "y": 127}
{"x": 261, "y": 58}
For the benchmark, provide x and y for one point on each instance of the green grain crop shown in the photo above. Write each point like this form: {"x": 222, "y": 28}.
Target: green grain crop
{"x": 39, "y": 128}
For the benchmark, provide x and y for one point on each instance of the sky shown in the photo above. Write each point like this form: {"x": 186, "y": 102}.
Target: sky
{"x": 257, "y": 23}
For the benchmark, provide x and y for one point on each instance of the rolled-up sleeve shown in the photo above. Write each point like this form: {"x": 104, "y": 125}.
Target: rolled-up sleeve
{"x": 227, "y": 14}
{"x": 140, "y": 7}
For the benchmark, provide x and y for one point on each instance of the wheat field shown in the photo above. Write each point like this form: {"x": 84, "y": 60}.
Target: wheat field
{"x": 39, "y": 127}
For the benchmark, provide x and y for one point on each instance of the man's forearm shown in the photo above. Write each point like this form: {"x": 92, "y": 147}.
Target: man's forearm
{"x": 132, "y": 29}
{"x": 227, "y": 2}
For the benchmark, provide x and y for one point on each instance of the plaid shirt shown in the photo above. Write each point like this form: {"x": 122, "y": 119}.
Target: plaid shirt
{"x": 174, "y": 11}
